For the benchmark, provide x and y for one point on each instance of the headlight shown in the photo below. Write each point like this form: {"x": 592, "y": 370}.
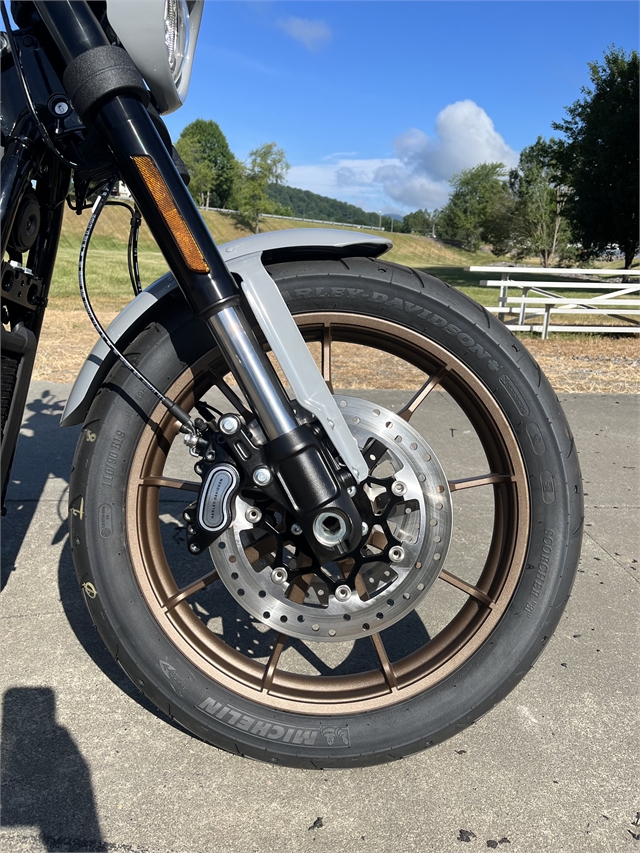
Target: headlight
{"x": 176, "y": 34}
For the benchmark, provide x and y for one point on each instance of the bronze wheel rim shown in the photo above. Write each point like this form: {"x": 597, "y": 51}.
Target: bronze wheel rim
{"x": 482, "y": 600}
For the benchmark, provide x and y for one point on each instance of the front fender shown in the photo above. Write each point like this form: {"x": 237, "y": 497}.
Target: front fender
{"x": 274, "y": 246}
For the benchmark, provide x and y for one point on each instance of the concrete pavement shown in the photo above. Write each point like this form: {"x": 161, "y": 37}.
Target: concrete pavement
{"x": 89, "y": 765}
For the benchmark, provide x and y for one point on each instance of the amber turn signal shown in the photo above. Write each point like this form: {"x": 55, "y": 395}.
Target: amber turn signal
{"x": 166, "y": 205}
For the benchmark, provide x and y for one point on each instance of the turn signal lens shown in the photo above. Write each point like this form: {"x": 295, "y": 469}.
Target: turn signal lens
{"x": 171, "y": 215}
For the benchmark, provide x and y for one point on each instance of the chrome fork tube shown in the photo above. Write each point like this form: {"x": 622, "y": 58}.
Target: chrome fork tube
{"x": 253, "y": 371}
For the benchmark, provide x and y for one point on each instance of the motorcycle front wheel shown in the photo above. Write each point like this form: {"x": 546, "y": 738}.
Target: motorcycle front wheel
{"x": 475, "y": 504}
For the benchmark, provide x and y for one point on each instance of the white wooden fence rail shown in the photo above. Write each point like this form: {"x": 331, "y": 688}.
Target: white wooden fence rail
{"x": 539, "y": 300}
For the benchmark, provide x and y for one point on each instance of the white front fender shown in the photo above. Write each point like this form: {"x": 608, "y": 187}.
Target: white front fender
{"x": 244, "y": 258}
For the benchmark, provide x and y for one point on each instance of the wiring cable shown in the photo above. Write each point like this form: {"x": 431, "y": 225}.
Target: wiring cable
{"x": 132, "y": 246}
{"x": 178, "y": 413}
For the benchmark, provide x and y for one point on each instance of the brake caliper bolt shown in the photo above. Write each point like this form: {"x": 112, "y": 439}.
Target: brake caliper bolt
{"x": 396, "y": 554}
{"x": 262, "y": 476}
{"x": 191, "y": 529}
{"x": 229, "y": 424}
{"x": 351, "y": 491}
{"x": 279, "y": 576}
{"x": 210, "y": 456}
{"x": 343, "y": 592}
{"x": 195, "y": 549}
{"x": 365, "y": 528}
{"x": 398, "y": 488}
{"x": 296, "y": 529}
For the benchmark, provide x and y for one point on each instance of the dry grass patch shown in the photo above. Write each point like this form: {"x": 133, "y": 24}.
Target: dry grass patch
{"x": 587, "y": 364}
{"x": 590, "y": 364}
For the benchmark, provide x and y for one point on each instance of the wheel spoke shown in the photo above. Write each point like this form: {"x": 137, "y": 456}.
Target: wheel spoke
{"x": 326, "y": 357}
{"x": 407, "y": 411}
{"x": 482, "y": 480}
{"x": 265, "y": 545}
{"x": 188, "y": 590}
{"x": 385, "y": 663}
{"x": 274, "y": 657}
{"x": 471, "y": 590}
{"x": 171, "y": 483}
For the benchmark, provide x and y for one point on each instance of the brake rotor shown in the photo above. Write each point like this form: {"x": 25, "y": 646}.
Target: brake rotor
{"x": 408, "y": 506}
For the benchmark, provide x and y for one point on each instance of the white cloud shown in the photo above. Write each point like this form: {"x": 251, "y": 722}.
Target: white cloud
{"x": 466, "y": 137}
{"x": 338, "y": 154}
{"x": 418, "y": 176}
{"x": 312, "y": 34}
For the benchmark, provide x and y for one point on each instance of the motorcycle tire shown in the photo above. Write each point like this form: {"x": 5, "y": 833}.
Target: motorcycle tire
{"x": 511, "y": 506}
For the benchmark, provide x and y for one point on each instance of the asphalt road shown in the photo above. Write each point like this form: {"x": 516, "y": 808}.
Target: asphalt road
{"x": 88, "y": 764}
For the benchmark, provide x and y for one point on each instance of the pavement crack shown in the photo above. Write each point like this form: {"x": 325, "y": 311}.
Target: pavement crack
{"x": 613, "y": 556}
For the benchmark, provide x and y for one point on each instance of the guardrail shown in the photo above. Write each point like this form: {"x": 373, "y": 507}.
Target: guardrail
{"x": 300, "y": 219}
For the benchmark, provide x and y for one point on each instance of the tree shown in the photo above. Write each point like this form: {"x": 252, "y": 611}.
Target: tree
{"x": 419, "y": 222}
{"x": 478, "y": 209}
{"x": 266, "y": 165}
{"x": 308, "y": 205}
{"x": 209, "y": 141}
{"x": 538, "y": 226}
{"x": 201, "y": 176}
{"x": 598, "y": 158}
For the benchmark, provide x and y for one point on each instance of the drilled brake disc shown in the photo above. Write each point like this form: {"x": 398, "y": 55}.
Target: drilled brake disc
{"x": 402, "y": 551}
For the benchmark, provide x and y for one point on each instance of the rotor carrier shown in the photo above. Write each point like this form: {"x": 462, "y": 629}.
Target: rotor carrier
{"x": 406, "y": 535}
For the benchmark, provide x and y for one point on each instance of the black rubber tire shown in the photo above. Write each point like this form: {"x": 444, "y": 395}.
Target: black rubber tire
{"x": 376, "y": 289}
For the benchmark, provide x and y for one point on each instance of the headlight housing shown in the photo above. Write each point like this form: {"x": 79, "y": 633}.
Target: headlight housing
{"x": 160, "y": 36}
{"x": 176, "y": 35}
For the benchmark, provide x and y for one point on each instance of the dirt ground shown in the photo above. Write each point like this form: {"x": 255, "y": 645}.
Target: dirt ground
{"x": 585, "y": 364}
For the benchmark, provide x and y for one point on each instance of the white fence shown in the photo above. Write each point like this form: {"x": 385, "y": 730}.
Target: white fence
{"x": 539, "y": 300}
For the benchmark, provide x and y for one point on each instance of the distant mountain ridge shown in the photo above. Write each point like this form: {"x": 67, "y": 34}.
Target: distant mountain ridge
{"x": 308, "y": 205}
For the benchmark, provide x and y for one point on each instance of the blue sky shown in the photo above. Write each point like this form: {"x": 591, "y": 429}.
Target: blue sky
{"x": 380, "y": 103}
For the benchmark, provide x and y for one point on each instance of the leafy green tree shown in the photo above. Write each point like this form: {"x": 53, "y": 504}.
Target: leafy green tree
{"x": 200, "y": 171}
{"x": 479, "y": 208}
{"x": 598, "y": 158}
{"x": 419, "y": 222}
{"x": 266, "y": 165}
{"x": 538, "y": 226}
{"x": 213, "y": 148}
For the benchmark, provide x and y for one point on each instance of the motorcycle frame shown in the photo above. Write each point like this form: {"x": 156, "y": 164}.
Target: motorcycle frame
{"x": 214, "y": 295}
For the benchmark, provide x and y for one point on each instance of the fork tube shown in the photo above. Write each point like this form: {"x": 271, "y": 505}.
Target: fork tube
{"x": 125, "y": 125}
{"x": 213, "y": 296}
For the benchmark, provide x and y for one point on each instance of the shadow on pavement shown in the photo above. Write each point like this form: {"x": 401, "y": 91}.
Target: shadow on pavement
{"x": 44, "y": 451}
{"x": 46, "y": 782}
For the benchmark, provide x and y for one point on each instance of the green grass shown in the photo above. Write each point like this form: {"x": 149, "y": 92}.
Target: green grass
{"x": 108, "y": 276}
